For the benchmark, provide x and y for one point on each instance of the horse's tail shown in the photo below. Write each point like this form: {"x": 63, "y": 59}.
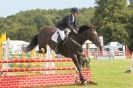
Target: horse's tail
{"x": 32, "y": 44}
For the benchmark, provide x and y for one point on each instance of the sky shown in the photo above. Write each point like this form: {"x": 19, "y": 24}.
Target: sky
{"x": 11, "y": 7}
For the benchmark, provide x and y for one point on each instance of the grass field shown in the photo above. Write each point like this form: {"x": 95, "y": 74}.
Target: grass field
{"x": 108, "y": 74}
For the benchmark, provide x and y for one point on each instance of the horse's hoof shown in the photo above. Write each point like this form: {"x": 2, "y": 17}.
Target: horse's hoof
{"x": 91, "y": 83}
{"x": 84, "y": 82}
{"x": 40, "y": 51}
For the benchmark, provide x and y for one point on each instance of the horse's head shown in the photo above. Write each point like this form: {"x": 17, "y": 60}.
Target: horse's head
{"x": 89, "y": 33}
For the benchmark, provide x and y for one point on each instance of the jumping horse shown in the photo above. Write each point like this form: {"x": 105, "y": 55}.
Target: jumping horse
{"x": 71, "y": 47}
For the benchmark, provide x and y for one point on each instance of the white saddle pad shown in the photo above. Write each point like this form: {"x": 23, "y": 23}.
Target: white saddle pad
{"x": 55, "y": 36}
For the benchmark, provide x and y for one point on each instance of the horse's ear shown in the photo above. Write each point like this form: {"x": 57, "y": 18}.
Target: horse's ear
{"x": 93, "y": 28}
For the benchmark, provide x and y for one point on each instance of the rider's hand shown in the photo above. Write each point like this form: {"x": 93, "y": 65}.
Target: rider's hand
{"x": 75, "y": 31}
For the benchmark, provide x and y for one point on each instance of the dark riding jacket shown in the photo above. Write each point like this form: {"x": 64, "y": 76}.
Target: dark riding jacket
{"x": 67, "y": 22}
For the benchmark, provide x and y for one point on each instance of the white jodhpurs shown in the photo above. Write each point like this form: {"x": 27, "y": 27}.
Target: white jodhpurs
{"x": 61, "y": 33}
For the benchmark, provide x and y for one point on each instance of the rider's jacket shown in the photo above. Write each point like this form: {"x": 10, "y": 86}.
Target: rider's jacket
{"x": 68, "y": 21}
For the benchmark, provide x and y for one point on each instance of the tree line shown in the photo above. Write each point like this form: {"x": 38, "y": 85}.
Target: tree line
{"x": 25, "y": 24}
{"x": 113, "y": 20}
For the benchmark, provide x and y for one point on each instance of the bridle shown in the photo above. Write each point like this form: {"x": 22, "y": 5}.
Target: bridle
{"x": 84, "y": 38}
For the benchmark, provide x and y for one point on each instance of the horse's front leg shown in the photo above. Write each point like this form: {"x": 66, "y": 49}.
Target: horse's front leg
{"x": 75, "y": 60}
{"x": 79, "y": 60}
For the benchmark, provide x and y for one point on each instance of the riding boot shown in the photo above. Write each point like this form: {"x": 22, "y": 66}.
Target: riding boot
{"x": 60, "y": 41}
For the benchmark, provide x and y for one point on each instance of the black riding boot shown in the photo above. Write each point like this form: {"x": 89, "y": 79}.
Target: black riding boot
{"x": 60, "y": 41}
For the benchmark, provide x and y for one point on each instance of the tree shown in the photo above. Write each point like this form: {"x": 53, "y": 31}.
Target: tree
{"x": 130, "y": 25}
{"x": 2, "y": 25}
{"x": 110, "y": 19}
{"x": 26, "y": 33}
{"x": 85, "y": 16}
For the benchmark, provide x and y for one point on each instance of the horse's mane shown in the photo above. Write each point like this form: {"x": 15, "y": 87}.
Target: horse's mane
{"x": 83, "y": 28}
{"x": 86, "y": 27}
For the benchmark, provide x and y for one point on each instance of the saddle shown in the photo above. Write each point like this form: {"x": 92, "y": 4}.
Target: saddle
{"x": 56, "y": 36}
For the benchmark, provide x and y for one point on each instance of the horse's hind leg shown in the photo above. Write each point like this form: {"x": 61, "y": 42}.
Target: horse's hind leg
{"x": 75, "y": 60}
{"x": 44, "y": 50}
{"x": 41, "y": 50}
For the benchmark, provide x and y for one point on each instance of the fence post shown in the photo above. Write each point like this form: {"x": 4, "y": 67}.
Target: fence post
{"x": 6, "y": 55}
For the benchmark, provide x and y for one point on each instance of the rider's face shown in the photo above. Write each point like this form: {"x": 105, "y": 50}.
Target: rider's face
{"x": 76, "y": 14}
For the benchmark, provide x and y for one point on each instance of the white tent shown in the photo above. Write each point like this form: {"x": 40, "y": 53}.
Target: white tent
{"x": 15, "y": 46}
{"x": 16, "y": 42}
{"x": 113, "y": 45}
{"x": 91, "y": 45}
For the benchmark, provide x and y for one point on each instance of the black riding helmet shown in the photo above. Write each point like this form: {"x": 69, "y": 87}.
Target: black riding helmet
{"x": 74, "y": 10}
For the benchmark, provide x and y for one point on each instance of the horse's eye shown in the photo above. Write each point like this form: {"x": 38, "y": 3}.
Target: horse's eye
{"x": 88, "y": 27}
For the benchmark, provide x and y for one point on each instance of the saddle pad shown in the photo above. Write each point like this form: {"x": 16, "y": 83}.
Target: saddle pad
{"x": 55, "y": 36}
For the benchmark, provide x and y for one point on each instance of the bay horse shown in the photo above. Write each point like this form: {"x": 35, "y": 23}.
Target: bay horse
{"x": 70, "y": 48}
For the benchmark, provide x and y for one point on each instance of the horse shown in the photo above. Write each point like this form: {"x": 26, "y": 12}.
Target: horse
{"x": 70, "y": 48}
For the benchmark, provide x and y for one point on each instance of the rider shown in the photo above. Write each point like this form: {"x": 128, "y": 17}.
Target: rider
{"x": 68, "y": 23}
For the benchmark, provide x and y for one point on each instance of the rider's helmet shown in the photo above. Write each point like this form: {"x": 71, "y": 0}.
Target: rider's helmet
{"x": 74, "y": 10}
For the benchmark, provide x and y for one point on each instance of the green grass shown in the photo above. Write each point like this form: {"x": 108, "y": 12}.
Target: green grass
{"x": 108, "y": 74}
